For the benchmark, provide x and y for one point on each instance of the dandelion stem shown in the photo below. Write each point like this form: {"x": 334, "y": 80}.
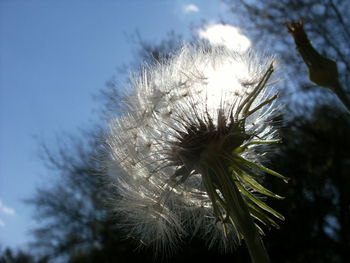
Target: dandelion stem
{"x": 252, "y": 238}
{"x": 237, "y": 209}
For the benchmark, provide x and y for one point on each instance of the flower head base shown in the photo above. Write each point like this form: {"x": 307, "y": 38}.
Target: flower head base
{"x": 186, "y": 154}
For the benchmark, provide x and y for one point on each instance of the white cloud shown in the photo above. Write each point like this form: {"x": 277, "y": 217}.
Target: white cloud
{"x": 225, "y": 35}
{"x": 2, "y": 223}
{"x": 191, "y": 8}
{"x": 6, "y": 210}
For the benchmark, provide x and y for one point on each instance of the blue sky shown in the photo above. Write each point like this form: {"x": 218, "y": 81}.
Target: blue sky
{"x": 54, "y": 56}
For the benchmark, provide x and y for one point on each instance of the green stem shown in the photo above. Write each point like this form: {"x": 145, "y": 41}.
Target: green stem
{"x": 237, "y": 209}
{"x": 256, "y": 248}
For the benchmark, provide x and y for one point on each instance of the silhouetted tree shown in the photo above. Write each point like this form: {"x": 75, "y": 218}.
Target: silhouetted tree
{"x": 70, "y": 209}
{"x": 10, "y": 256}
{"x": 327, "y": 24}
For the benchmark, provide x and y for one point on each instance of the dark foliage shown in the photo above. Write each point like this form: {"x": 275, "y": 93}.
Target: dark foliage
{"x": 315, "y": 155}
{"x": 10, "y": 256}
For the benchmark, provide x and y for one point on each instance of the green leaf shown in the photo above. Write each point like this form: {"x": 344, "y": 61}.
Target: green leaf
{"x": 259, "y": 202}
{"x": 247, "y": 177}
{"x": 261, "y": 232}
{"x": 242, "y": 148}
{"x": 257, "y": 213}
{"x": 261, "y": 168}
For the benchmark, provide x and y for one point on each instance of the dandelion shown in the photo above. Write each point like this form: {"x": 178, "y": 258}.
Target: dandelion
{"x": 186, "y": 154}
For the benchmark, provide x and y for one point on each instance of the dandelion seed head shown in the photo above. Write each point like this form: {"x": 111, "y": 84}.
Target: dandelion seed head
{"x": 201, "y": 105}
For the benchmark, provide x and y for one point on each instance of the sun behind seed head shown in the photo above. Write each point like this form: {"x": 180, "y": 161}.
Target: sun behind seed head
{"x": 202, "y": 108}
